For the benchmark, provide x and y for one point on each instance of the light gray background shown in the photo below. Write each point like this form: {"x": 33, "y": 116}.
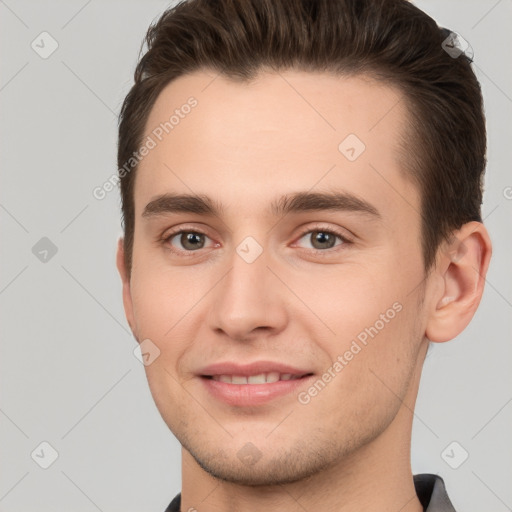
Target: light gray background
{"x": 68, "y": 373}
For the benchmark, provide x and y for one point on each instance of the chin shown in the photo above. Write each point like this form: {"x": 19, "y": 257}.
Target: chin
{"x": 250, "y": 466}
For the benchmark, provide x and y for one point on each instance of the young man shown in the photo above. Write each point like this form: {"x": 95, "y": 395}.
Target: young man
{"x": 301, "y": 191}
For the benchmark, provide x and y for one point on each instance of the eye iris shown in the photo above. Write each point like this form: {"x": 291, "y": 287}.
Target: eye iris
{"x": 192, "y": 238}
{"x": 323, "y": 238}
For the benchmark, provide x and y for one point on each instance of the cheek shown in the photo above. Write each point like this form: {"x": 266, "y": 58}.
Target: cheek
{"x": 162, "y": 307}
{"x": 162, "y": 295}
{"x": 374, "y": 371}
{"x": 352, "y": 298}
{"x": 374, "y": 329}
{"x": 166, "y": 304}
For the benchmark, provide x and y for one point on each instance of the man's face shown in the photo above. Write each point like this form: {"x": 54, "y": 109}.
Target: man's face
{"x": 306, "y": 288}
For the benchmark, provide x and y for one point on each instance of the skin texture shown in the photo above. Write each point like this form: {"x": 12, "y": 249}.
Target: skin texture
{"x": 245, "y": 145}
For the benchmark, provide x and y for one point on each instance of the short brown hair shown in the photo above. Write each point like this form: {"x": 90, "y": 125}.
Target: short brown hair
{"x": 390, "y": 40}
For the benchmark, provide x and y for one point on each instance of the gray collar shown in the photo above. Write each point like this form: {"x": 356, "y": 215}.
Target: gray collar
{"x": 432, "y": 493}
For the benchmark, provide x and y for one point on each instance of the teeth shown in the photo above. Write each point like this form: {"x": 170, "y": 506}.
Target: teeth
{"x": 262, "y": 378}
{"x": 256, "y": 379}
{"x": 272, "y": 377}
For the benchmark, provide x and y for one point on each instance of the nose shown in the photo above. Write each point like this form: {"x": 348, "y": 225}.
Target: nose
{"x": 249, "y": 299}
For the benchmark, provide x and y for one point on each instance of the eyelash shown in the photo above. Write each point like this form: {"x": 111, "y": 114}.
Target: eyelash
{"x": 321, "y": 252}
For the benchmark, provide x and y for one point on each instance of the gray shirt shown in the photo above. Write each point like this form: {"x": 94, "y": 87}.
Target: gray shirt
{"x": 429, "y": 488}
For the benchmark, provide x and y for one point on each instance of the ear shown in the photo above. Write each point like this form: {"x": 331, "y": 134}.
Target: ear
{"x": 127, "y": 296}
{"x": 462, "y": 265}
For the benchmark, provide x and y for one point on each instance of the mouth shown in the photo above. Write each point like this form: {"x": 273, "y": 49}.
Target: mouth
{"x": 254, "y": 390}
{"x": 260, "y": 378}
{"x": 255, "y": 383}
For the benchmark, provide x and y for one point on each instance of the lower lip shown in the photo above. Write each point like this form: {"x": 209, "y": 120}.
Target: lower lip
{"x": 246, "y": 395}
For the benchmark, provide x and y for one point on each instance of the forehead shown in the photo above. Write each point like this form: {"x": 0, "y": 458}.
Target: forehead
{"x": 245, "y": 142}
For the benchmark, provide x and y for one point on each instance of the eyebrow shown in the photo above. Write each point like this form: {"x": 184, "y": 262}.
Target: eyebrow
{"x": 291, "y": 203}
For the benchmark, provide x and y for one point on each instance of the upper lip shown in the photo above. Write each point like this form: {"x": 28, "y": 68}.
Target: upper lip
{"x": 255, "y": 368}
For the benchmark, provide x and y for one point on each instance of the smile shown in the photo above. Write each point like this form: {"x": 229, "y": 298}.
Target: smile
{"x": 261, "y": 378}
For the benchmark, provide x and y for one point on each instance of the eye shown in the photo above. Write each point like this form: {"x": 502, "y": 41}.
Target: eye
{"x": 191, "y": 241}
{"x": 322, "y": 239}
{"x": 186, "y": 241}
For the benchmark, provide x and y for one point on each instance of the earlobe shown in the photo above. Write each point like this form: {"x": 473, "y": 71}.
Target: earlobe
{"x": 127, "y": 296}
{"x": 462, "y": 265}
